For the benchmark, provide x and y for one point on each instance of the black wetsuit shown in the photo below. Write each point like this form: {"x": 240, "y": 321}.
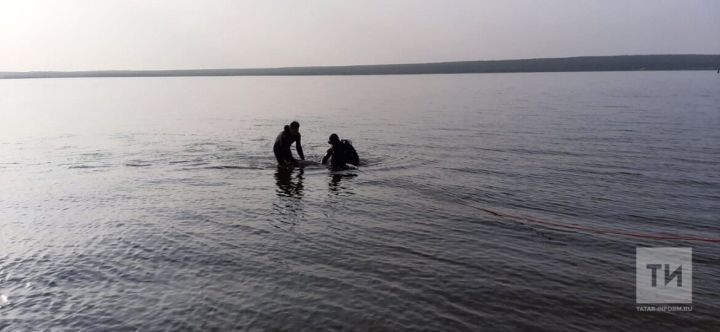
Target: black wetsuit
{"x": 282, "y": 147}
{"x": 342, "y": 153}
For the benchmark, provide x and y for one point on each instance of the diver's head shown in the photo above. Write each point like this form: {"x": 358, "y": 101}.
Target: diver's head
{"x": 286, "y": 129}
{"x": 294, "y": 127}
{"x": 334, "y": 139}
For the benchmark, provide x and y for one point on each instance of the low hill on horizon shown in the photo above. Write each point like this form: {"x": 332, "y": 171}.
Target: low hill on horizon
{"x": 569, "y": 64}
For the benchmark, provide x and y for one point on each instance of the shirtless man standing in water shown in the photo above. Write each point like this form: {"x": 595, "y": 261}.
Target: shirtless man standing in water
{"x": 283, "y": 142}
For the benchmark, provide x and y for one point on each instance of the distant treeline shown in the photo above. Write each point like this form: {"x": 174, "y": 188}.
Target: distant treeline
{"x": 574, "y": 64}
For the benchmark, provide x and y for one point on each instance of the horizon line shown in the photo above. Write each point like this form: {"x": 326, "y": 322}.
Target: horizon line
{"x": 648, "y": 62}
{"x": 356, "y": 65}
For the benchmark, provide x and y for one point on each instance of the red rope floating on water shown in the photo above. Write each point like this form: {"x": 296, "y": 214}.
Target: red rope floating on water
{"x": 550, "y": 224}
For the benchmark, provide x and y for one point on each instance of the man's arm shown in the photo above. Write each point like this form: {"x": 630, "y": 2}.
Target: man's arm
{"x": 327, "y": 156}
{"x": 298, "y": 146}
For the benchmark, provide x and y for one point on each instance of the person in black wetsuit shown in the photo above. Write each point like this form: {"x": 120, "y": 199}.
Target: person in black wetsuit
{"x": 283, "y": 142}
{"x": 342, "y": 153}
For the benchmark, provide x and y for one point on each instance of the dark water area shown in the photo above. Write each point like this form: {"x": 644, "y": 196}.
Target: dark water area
{"x": 146, "y": 204}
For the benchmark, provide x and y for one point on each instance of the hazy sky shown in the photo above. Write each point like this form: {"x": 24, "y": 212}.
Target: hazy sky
{"x": 158, "y": 34}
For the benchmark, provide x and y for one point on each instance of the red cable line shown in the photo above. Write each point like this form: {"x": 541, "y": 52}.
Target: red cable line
{"x": 594, "y": 230}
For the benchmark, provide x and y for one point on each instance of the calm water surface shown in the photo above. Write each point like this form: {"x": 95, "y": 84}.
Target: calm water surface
{"x": 146, "y": 204}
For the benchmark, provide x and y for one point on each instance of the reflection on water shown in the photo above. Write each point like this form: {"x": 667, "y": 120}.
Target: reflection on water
{"x": 335, "y": 185}
{"x": 287, "y": 184}
{"x": 289, "y": 208}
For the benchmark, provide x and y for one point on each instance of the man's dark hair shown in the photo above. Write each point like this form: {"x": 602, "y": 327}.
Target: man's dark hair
{"x": 294, "y": 124}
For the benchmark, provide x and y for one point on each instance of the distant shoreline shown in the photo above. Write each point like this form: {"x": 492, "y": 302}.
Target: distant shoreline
{"x": 570, "y": 64}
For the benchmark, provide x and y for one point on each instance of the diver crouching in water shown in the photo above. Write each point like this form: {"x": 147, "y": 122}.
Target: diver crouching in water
{"x": 289, "y": 135}
{"x": 341, "y": 153}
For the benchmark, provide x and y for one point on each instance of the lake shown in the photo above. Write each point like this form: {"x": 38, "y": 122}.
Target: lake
{"x": 482, "y": 202}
